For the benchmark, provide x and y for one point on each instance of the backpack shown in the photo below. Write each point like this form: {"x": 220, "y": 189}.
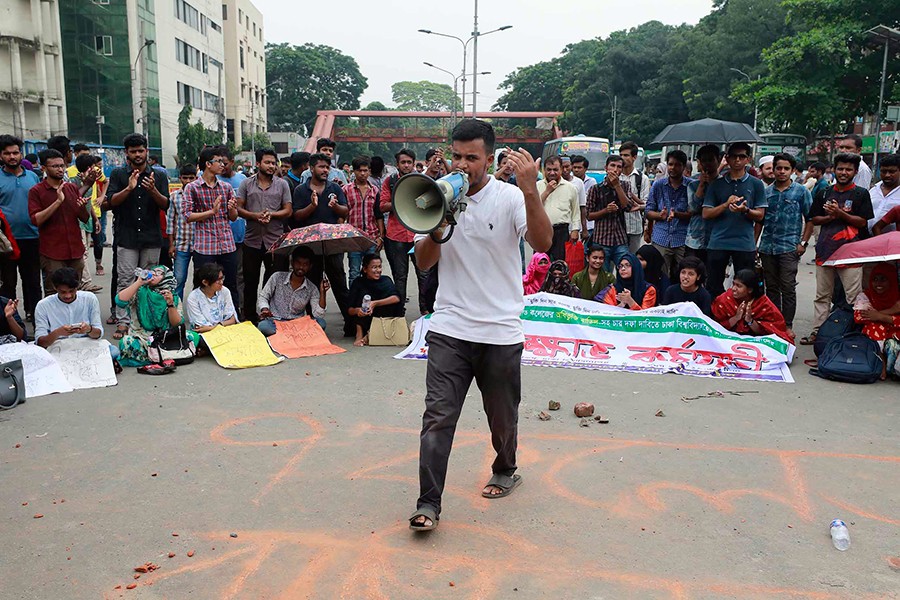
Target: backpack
{"x": 838, "y": 323}
{"x": 852, "y": 358}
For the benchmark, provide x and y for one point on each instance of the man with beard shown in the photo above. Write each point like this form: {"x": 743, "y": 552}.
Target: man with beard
{"x": 767, "y": 169}
{"x": 286, "y": 294}
{"x": 136, "y": 194}
{"x": 15, "y": 183}
{"x": 560, "y": 200}
{"x": 264, "y": 201}
{"x": 398, "y": 240}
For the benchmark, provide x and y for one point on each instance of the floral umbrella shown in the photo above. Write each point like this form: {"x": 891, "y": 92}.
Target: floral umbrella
{"x": 880, "y": 248}
{"x": 324, "y": 239}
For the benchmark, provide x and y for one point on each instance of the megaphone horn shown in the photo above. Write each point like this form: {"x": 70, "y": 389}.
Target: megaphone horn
{"x": 422, "y": 203}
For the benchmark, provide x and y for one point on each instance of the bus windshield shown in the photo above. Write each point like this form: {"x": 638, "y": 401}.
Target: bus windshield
{"x": 595, "y": 150}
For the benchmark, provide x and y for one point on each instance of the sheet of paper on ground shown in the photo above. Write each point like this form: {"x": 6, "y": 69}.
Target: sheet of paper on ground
{"x": 581, "y": 334}
{"x": 301, "y": 338}
{"x": 43, "y": 375}
{"x": 86, "y": 363}
{"x": 240, "y": 346}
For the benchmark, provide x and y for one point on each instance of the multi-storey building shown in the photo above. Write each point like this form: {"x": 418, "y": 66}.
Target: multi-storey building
{"x": 245, "y": 69}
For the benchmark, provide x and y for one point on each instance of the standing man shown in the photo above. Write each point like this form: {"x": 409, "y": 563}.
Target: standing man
{"x": 264, "y": 201}
{"x": 504, "y": 170}
{"x": 568, "y": 175}
{"x": 580, "y": 166}
{"x": 606, "y": 206}
{"x": 784, "y": 237}
{"x": 181, "y": 233}
{"x": 284, "y": 166}
{"x": 15, "y": 184}
{"x": 843, "y": 212}
{"x": 886, "y": 193}
{"x": 136, "y": 194}
{"x": 299, "y": 164}
{"x": 476, "y": 331}
{"x": 239, "y": 225}
{"x": 815, "y": 178}
{"x": 560, "y": 200}
{"x": 767, "y": 169}
{"x": 322, "y": 201}
{"x": 732, "y": 204}
{"x": 398, "y": 239}
{"x": 634, "y": 217}
{"x": 365, "y": 214}
{"x": 210, "y": 205}
{"x": 668, "y": 208}
{"x": 709, "y": 157}
{"x": 852, "y": 144}
{"x": 56, "y": 207}
{"x": 327, "y": 147}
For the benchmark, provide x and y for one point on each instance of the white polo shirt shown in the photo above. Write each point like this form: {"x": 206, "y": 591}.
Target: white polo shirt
{"x": 882, "y": 204}
{"x": 480, "y": 297}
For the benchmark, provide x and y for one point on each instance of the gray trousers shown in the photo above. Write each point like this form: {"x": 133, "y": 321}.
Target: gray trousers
{"x": 452, "y": 364}
{"x": 127, "y": 261}
{"x": 781, "y": 282}
{"x": 672, "y": 257}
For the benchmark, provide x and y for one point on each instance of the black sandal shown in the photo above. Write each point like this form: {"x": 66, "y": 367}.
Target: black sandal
{"x": 427, "y": 512}
{"x": 506, "y": 484}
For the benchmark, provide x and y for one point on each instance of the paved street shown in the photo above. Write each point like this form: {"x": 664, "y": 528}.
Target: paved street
{"x": 295, "y": 481}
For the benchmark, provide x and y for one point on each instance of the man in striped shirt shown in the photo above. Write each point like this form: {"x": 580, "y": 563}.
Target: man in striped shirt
{"x": 180, "y": 231}
{"x": 365, "y": 214}
{"x": 210, "y": 205}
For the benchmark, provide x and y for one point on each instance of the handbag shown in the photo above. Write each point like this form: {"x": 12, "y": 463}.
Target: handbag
{"x": 12, "y": 384}
{"x": 171, "y": 344}
{"x": 389, "y": 331}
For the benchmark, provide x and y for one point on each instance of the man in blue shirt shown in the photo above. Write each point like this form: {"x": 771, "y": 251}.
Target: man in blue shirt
{"x": 667, "y": 205}
{"x": 784, "y": 236}
{"x": 326, "y": 146}
{"x": 709, "y": 157}
{"x": 732, "y": 204}
{"x": 15, "y": 183}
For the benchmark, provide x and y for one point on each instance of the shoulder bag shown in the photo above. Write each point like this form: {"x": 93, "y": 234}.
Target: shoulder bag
{"x": 171, "y": 344}
{"x": 389, "y": 331}
{"x": 12, "y": 384}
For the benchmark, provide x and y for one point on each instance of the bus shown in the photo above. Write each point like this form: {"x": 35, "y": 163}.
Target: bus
{"x": 594, "y": 149}
{"x": 791, "y": 143}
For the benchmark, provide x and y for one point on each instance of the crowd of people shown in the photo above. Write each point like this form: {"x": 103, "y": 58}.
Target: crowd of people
{"x": 646, "y": 242}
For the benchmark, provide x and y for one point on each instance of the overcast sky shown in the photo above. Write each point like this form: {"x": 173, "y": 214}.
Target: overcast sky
{"x": 388, "y": 48}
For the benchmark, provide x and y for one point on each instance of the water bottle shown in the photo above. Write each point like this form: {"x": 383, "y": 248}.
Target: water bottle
{"x": 366, "y": 303}
{"x": 840, "y": 536}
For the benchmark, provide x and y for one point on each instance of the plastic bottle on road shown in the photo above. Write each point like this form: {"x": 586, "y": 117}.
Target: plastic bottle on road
{"x": 840, "y": 536}
{"x": 366, "y": 303}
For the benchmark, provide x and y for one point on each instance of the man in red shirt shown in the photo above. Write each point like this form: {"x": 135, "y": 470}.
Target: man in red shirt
{"x": 56, "y": 207}
{"x": 398, "y": 239}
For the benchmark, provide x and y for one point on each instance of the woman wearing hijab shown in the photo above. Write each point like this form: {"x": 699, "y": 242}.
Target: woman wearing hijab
{"x": 536, "y": 272}
{"x": 878, "y": 311}
{"x": 630, "y": 290}
{"x": 153, "y": 306}
{"x": 745, "y": 309}
{"x": 557, "y": 281}
{"x": 653, "y": 264}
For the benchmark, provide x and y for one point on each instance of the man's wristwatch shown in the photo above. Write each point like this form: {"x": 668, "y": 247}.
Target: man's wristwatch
{"x": 805, "y": 243}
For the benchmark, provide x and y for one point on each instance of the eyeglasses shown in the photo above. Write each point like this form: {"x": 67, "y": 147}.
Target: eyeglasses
{"x": 221, "y": 161}
{"x": 740, "y": 156}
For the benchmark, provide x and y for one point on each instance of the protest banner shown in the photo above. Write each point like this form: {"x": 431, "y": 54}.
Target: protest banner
{"x": 301, "y": 338}
{"x": 43, "y": 375}
{"x": 86, "y": 363}
{"x": 581, "y": 334}
{"x": 240, "y": 346}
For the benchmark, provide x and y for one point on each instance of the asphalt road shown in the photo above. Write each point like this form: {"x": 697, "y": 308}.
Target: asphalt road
{"x": 295, "y": 481}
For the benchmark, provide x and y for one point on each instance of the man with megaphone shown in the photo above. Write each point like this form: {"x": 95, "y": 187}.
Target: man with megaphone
{"x": 472, "y": 223}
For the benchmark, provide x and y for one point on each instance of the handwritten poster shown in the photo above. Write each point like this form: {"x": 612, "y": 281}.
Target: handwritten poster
{"x": 43, "y": 375}
{"x": 240, "y": 346}
{"x": 581, "y": 334}
{"x": 301, "y": 338}
{"x": 86, "y": 363}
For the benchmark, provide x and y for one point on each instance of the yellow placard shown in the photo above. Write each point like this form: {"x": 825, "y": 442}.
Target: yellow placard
{"x": 240, "y": 346}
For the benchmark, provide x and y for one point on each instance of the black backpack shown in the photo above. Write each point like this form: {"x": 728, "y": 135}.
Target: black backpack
{"x": 852, "y": 358}
{"x": 838, "y": 323}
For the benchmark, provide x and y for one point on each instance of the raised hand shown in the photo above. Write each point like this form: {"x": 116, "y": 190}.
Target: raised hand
{"x": 314, "y": 198}
{"x": 217, "y": 204}
{"x": 9, "y": 311}
{"x": 149, "y": 182}
{"x": 133, "y": 180}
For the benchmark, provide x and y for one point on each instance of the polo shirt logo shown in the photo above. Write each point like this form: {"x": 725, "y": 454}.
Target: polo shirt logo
{"x": 491, "y": 226}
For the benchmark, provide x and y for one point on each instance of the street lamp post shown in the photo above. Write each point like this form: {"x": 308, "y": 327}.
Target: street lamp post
{"x": 614, "y": 109}
{"x": 144, "y": 112}
{"x": 455, "y": 82}
{"x": 755, "y": 104}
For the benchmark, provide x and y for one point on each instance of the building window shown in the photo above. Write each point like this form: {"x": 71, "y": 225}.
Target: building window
{"x": 189, "y": 96}
{"x": 101, "y": 2}
{"x": 215, "y": 26}
{"x": 190, "y": 56}
{"x": 241, "y": 54}
{"x": 240, "y": 16}
{"x": 103, "y": 44}
{"x": 189, "y": 15}
{"x": 254, "y": 30}
{"x": 224, "y": 12}
{"x": 210, "y": 102}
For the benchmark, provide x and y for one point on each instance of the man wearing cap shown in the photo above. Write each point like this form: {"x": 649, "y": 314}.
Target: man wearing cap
{"x": 767, "y": 169}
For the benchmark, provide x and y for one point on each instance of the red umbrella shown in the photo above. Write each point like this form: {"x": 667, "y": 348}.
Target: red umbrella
{"x": 873, "y": 250}
{"x": 324, "y": 239}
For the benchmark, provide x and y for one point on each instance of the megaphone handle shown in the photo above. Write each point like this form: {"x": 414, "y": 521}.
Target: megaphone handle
{"x": 443, "y": 240}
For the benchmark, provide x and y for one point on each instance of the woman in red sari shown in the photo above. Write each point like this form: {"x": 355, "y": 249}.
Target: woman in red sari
{"x": 745, "y": 309}
{"x": 878, "y": 310}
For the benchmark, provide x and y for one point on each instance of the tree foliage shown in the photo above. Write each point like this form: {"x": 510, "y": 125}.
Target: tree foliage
{"x": 424, "y": 96}
{"x": 192, "y": 138}
{"x": 305, "y": 79}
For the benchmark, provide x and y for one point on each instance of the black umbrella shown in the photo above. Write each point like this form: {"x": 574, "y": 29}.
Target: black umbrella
{"x": 706, "y": 131}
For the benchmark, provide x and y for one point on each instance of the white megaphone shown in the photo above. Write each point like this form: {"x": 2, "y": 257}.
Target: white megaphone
{"x": 422, "y": 203}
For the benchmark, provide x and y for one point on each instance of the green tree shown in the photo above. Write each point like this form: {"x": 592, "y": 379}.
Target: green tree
{"x": 424, "y": 96}
{"x": 192, "y": 137}
{"x": 305, "y": 79}
{"x": 259, "y": 139}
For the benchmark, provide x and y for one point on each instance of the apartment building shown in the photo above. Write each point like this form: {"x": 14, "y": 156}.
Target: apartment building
{"x": 245, "y": 70}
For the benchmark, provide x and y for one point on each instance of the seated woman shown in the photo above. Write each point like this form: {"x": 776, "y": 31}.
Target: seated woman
{"x": 630, "y": 290}
{"x": 745, "y": 309}
{"x": 12, "y": 329}
{"x": 653, "y": 264}
{"x": 384, "y": 299}
{"x": 557, "y": 281}
{"x": 878, "y": 311}
{"x": 593, "y": 278}
{"x": 287, "y": 293}
{"x": 153, "y": 306}
{"x": 209, "y": 304}
{"x": 691, "y": 276}
{"x": 535, "y": 274}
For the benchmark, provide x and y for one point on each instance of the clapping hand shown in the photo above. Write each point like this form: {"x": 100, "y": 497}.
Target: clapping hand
{"x": 314, "y": 198}
{"x": 217, "y": 204}
{"x": 149, "y": 182}
{"x": 624, "y": 298}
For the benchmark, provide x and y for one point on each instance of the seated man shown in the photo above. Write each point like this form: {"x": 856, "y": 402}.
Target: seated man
{"x": 68, "y": 313}
{"x": 287, "y": 293}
